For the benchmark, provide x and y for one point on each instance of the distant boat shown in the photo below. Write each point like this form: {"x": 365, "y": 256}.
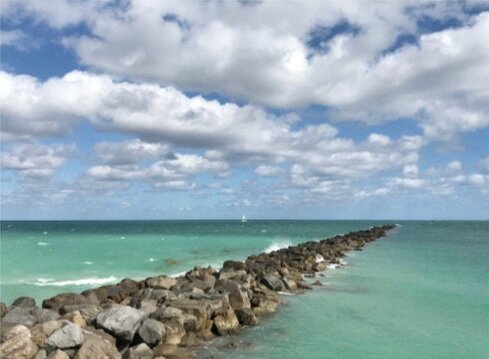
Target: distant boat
{"x": 244, "y": 219}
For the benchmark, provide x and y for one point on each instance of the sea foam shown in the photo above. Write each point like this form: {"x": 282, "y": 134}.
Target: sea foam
{"x": 275, "y": 246}
{"x": 44, "y": 282}
{"x": 42, "y": 244}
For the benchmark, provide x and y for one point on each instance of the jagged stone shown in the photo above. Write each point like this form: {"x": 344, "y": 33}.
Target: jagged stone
{"x": 97, "y": 348}
{"x": 20, "y": 315}
{"x": 41, "y": 332}
{"x": 246, "y": 316}
{"x": 152, "y": 332}
{"x": 56, "y": 302}
{"x": 18, "y": 344}
{"x": 122, "y": 321}
{"x": 141, "y": 351}
{"x": 68, "y": 336}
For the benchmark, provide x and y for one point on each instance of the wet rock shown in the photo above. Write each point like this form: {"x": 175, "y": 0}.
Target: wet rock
{"x": 97, "y": 348}
{"x": 273, "y": 282}
{"x": 58, "y": 354}
{"x": 317, "y": 283}
{"x": 26, "y": 302}
{"x": 56, "y": 302}
{"x": 233, "y": 266}
{"x": 174, "y": 332}
{"x": 20, "y": 315}
{"x": 195, "y": 307}
{"x": 68, "y": 336}
{"x": 161, "y": 282}
{"x": 122, "y": 321}
{"x": 246, "y": 316}
{"x": 152, "y": 332}
{"x": 18, "y": 344}
{"x": 165, "y": 313}
{"x": 3, "y": 309}
{"x": 141, "y": 351}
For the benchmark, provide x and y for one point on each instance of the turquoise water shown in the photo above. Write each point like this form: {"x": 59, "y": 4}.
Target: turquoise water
{"x": 423, "y": 292}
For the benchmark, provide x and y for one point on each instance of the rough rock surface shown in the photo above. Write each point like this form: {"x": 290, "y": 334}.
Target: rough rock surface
{"x": 121, "y": 321}
{"x": 68, "y": 336}
{"x": 18, "y": 344}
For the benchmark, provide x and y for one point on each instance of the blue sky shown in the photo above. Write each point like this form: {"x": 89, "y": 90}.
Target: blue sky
{"x": 164, "y": 110}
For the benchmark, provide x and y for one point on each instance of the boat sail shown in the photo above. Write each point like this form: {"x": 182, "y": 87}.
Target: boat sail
{"x": 244, "y": 219}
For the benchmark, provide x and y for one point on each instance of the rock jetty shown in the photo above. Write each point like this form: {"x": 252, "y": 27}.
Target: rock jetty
{"x": 165, "y": 317}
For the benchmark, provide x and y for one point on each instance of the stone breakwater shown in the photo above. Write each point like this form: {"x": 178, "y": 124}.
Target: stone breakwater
{"x": 165, "y": 317}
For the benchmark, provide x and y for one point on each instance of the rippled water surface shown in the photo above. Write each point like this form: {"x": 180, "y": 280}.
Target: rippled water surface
{"x": 423, "y": 292}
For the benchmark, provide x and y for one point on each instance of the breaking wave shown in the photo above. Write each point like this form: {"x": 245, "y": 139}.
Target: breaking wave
{"x": 275, "y": 246}
{"x": 45, "y": 282}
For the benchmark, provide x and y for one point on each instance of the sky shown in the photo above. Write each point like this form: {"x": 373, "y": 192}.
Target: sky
{"x": 272, "y": 109}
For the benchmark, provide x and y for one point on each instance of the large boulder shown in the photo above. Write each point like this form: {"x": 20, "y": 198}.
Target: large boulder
{"x": 122, "y": 321}
{"x": 97, "y": 348}
{"x": 46, "y": 315}
{"x": 233, "y": 266}
{"x": 226, "y": 322}
{"x": 90, "y": 312}
{"x": 161, "y": 282}
{"x": 273, "y": 282}
{"x": 152, "y": 332}
{"x": 68, "y": 336}
{"x": 175, "y": 331}
{"x": 27, "y": 302}
{"x": 56, "y": 302}
{"x": 238, "y": 298}
{"x": 246, "y": 316}
{"x": 20, "y": 315}
{"x": 18, "y": 344}
{"x": 41, "y": 332}
{"x": 141, "y": 351}
{"x": 198, "y": 308}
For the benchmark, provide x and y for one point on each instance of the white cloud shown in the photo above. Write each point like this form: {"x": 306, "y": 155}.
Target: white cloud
{"x": 33, "y": 160}
{"x": 268, "y": 171}
{"x": 410, "y": 170}
{"x": 455, "y": 166}
{"x": 259, "y": 53}
{"x": 130, "y": 151}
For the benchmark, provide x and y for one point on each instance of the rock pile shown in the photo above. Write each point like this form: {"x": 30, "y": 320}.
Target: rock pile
{"x": 162, "y": 317}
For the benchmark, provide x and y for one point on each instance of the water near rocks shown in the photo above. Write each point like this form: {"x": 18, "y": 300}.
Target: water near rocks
{"x": 423, "y": 292}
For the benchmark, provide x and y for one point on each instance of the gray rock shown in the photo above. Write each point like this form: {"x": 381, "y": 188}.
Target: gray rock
{"x": 122, "y": 321}
{"x": 246, "y": 316}
{"x": 273, "y": 282}
{"x": 46, "y": 315}
{"x": 58, "y": 354}
{"x": 68, "y": 336}
{"x": 161, "y": 282}
{"x": 90, "y": 312}
{"x": 18, "y": 344}
{"x": 97, "y": 348}
{"x": 20, "y": 315}
{"x": 41, "y": 354}
{"x": 26, "y": 302}
{"x": 56, "y": 302}
{"x": 141, "y": 351}
{"x": 152, "y": 332}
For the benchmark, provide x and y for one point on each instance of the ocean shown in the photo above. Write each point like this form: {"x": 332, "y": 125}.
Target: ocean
{"x": 422, "y": 292}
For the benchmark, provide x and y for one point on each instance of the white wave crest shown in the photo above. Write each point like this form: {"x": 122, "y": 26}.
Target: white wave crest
{"x": 45, "y": 282}
{"x": 275, "y": 246}
{"x": 87, "y": 263}
{"x": 319, "y": 258}
{"x": 42, "y": 244}
{"x": 152, "y": 259}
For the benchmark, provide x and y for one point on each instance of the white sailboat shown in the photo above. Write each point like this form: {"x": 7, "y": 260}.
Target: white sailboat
{"x": 244, "y": 219}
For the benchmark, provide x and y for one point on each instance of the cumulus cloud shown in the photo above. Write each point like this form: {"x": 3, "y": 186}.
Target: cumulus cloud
{"x": 32, "y": 160}
{"x": 262, "y": 54}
